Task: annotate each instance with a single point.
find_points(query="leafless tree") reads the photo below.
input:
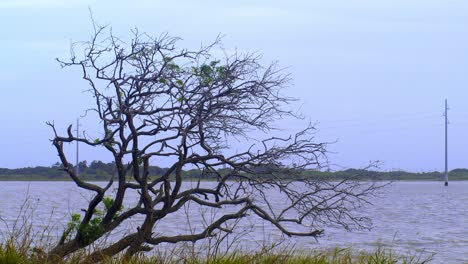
(157, 102)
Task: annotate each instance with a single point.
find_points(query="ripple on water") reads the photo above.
(409, 216)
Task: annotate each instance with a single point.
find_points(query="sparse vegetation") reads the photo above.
(12, 253)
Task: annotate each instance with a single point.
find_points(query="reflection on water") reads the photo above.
(407, 216)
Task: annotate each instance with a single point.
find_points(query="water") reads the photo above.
(407, 217)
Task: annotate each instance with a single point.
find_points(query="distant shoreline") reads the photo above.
(100, 171)
(41, 179)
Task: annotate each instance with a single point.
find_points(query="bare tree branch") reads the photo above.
(156, 102)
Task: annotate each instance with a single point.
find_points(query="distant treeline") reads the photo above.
(101, 171)
(454, 175)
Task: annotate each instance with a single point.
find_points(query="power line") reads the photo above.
(413, 116)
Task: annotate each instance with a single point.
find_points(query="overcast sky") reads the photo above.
(373, 74)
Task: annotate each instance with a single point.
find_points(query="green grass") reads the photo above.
(9, 254)
(12, 252)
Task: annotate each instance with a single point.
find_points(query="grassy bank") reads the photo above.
(12, 252)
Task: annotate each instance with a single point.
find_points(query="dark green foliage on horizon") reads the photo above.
(96, 171)
(359, 174)
(101, 171)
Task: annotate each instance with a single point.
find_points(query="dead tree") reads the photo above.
(157, 102)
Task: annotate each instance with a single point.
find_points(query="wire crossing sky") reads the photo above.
(373, 75)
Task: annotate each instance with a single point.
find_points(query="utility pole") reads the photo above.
(77, 148)
(446, 147)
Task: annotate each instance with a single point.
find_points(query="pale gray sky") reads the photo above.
(374, 74)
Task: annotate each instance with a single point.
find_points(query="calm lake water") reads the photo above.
(407, 217)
